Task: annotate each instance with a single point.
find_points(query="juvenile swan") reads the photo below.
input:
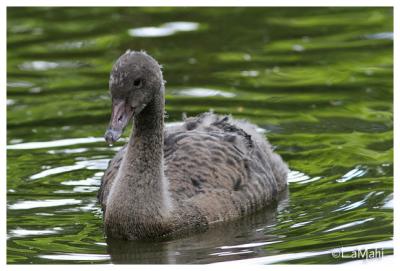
(167, 182)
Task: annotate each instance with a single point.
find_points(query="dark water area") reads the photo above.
(317, 81)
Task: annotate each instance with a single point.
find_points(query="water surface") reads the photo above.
(317, 81)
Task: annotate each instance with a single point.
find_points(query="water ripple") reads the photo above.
(228, 253)
(57, 170)
(19, 232)
(87, 164)
(381, 36)
(76, 257)
(351, 224)
(300, 177)
(388, 202)
(54, 143)
(68, 151)
(249, 245)
(46, 65)
(85, 182)
(356, 172)
(300, 224)
(19, 84)
(163, 30)
(204, 92)
(31, 204)
(354, 205)
(303, 255)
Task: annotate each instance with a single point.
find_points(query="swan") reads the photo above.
(166, 182)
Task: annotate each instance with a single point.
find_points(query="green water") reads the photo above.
(318, 81)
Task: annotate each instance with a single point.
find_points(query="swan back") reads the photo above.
(222, 166)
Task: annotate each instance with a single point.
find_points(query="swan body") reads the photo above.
(170, 181)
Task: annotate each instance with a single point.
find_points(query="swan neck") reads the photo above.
(146, 157)
(149, 124)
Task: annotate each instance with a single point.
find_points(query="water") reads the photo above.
(318, 82)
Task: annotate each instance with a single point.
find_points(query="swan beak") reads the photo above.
(121, 113)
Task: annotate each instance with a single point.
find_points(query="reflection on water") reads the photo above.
(30, 204)
(46, 65)
(356, 172)
(18, 232)
(317, 82)
(300, 177)
(163, 30)
(76, 257)
(352, 224)
(286, 258)
(384, 35)
(204, 92)
(88, 164)
(55, 143)
(353, 205)
(222, 242)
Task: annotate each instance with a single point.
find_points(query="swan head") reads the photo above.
(134, 80)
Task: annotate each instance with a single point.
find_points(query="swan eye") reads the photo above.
(137, 83)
